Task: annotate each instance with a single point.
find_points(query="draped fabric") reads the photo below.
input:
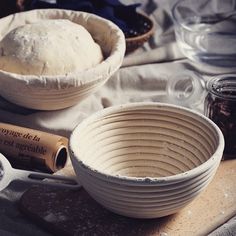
(143, 77)
(123, 15)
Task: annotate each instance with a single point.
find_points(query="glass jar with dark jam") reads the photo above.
(220, 107)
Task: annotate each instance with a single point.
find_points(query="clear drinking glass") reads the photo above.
(186, 88)
(206, 30)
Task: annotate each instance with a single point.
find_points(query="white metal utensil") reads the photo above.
(8, 174)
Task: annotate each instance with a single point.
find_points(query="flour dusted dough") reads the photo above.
(49, 47)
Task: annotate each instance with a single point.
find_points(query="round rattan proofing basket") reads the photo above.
(146, 160)
(57, 92)
(144, 29)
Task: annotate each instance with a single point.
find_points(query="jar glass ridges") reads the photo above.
(220, 106)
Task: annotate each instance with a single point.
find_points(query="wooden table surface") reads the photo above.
(72, 212)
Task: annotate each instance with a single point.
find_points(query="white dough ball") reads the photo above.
(49, 47)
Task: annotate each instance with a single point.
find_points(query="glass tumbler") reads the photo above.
(206, 31)
(220, 106)
(186, 88)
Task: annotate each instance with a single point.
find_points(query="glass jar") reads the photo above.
(220, 107)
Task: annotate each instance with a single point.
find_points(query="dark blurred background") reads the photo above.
(8, 7)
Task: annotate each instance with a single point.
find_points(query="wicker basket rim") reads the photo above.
(148, 33)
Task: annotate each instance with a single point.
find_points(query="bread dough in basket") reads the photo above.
(49, 47)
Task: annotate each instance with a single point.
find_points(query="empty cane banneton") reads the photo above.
(146, 160)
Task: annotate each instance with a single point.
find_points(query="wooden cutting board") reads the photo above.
(73, 212)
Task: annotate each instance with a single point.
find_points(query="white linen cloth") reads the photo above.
(143, 77)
